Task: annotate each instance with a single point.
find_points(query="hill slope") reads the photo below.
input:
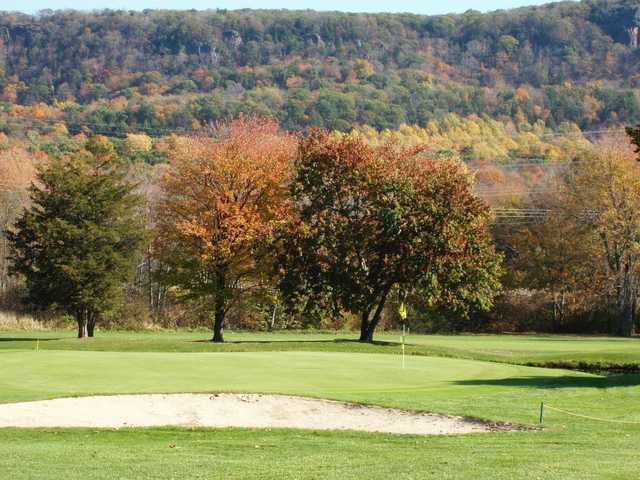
(160, 70)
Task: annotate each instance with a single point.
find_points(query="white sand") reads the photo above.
(227, 410)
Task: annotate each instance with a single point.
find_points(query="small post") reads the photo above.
(541, 413)
(273, 317)
(403, 345)
(37, 344)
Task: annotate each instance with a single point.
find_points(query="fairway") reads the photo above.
(566, 448)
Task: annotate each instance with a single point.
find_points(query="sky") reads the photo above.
(428, 7)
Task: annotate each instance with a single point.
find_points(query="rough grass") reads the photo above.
(14, 321)
(567, 448)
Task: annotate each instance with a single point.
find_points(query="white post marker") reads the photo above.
(403, 345)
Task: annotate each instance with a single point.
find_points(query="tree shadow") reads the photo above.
(566, 381)
(27, 339)
(336, 341)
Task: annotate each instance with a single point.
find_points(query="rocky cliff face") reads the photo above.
(634, 30)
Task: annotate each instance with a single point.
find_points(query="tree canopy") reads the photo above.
(222, 198)
(156, 71)
(370, 219)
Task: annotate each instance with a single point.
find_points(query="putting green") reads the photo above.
(454, 386)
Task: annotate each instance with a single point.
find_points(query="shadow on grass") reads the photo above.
(27, 339)
(337, 341)
(566, 381)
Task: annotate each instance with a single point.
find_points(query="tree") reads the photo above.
(77, 244)
(372, 219)
(17, 171)
(588, 243)
(634, 135)
(557, 254)
(222, 198)
(603, 192)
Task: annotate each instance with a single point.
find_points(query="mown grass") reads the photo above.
(519, 349)
(567, 447)
(427, 383)
(289, 454)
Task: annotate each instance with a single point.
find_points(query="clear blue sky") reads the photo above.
(414, 6)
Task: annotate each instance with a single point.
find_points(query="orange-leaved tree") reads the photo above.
(222, 198)
(17, 170)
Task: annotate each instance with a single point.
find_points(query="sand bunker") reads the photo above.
(228, 410)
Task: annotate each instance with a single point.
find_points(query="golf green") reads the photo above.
(603, 446)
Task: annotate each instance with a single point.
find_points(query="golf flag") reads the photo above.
(402, 311)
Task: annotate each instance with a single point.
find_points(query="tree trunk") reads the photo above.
(272, 322)
(81, 318)
(625, 325)
(218, 322)
(369, 326)
(626, 320)
(91, 325)
(366, 336)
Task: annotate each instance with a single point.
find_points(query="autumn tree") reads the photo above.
(372, 219)
(588, 243)
(78, 242)
(603, 192)
(556, 253)
(222, 199)
(17, 170)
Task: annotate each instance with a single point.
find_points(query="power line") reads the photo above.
(98, 128)
(515, 192)
(516, 164)
(582, 132)
(127, 129)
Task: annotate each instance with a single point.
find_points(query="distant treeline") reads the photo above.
(157, 70)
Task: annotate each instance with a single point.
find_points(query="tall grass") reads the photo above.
(16, 321)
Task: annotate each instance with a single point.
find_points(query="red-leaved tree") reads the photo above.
(370, 219)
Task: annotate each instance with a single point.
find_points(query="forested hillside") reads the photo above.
(155, 71)
(533, 101)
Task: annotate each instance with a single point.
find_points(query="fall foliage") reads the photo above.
(584, 249)
(17, 170)
(370, 220)
(222, 199)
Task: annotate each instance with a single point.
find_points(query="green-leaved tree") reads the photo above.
(77, 244)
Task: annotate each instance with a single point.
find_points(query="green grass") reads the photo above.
(567, 448)
(288, 454)
(428, 383)
(535, 350)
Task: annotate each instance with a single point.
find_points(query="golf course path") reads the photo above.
(227, 410)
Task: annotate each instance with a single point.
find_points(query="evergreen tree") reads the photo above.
(78, 242)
